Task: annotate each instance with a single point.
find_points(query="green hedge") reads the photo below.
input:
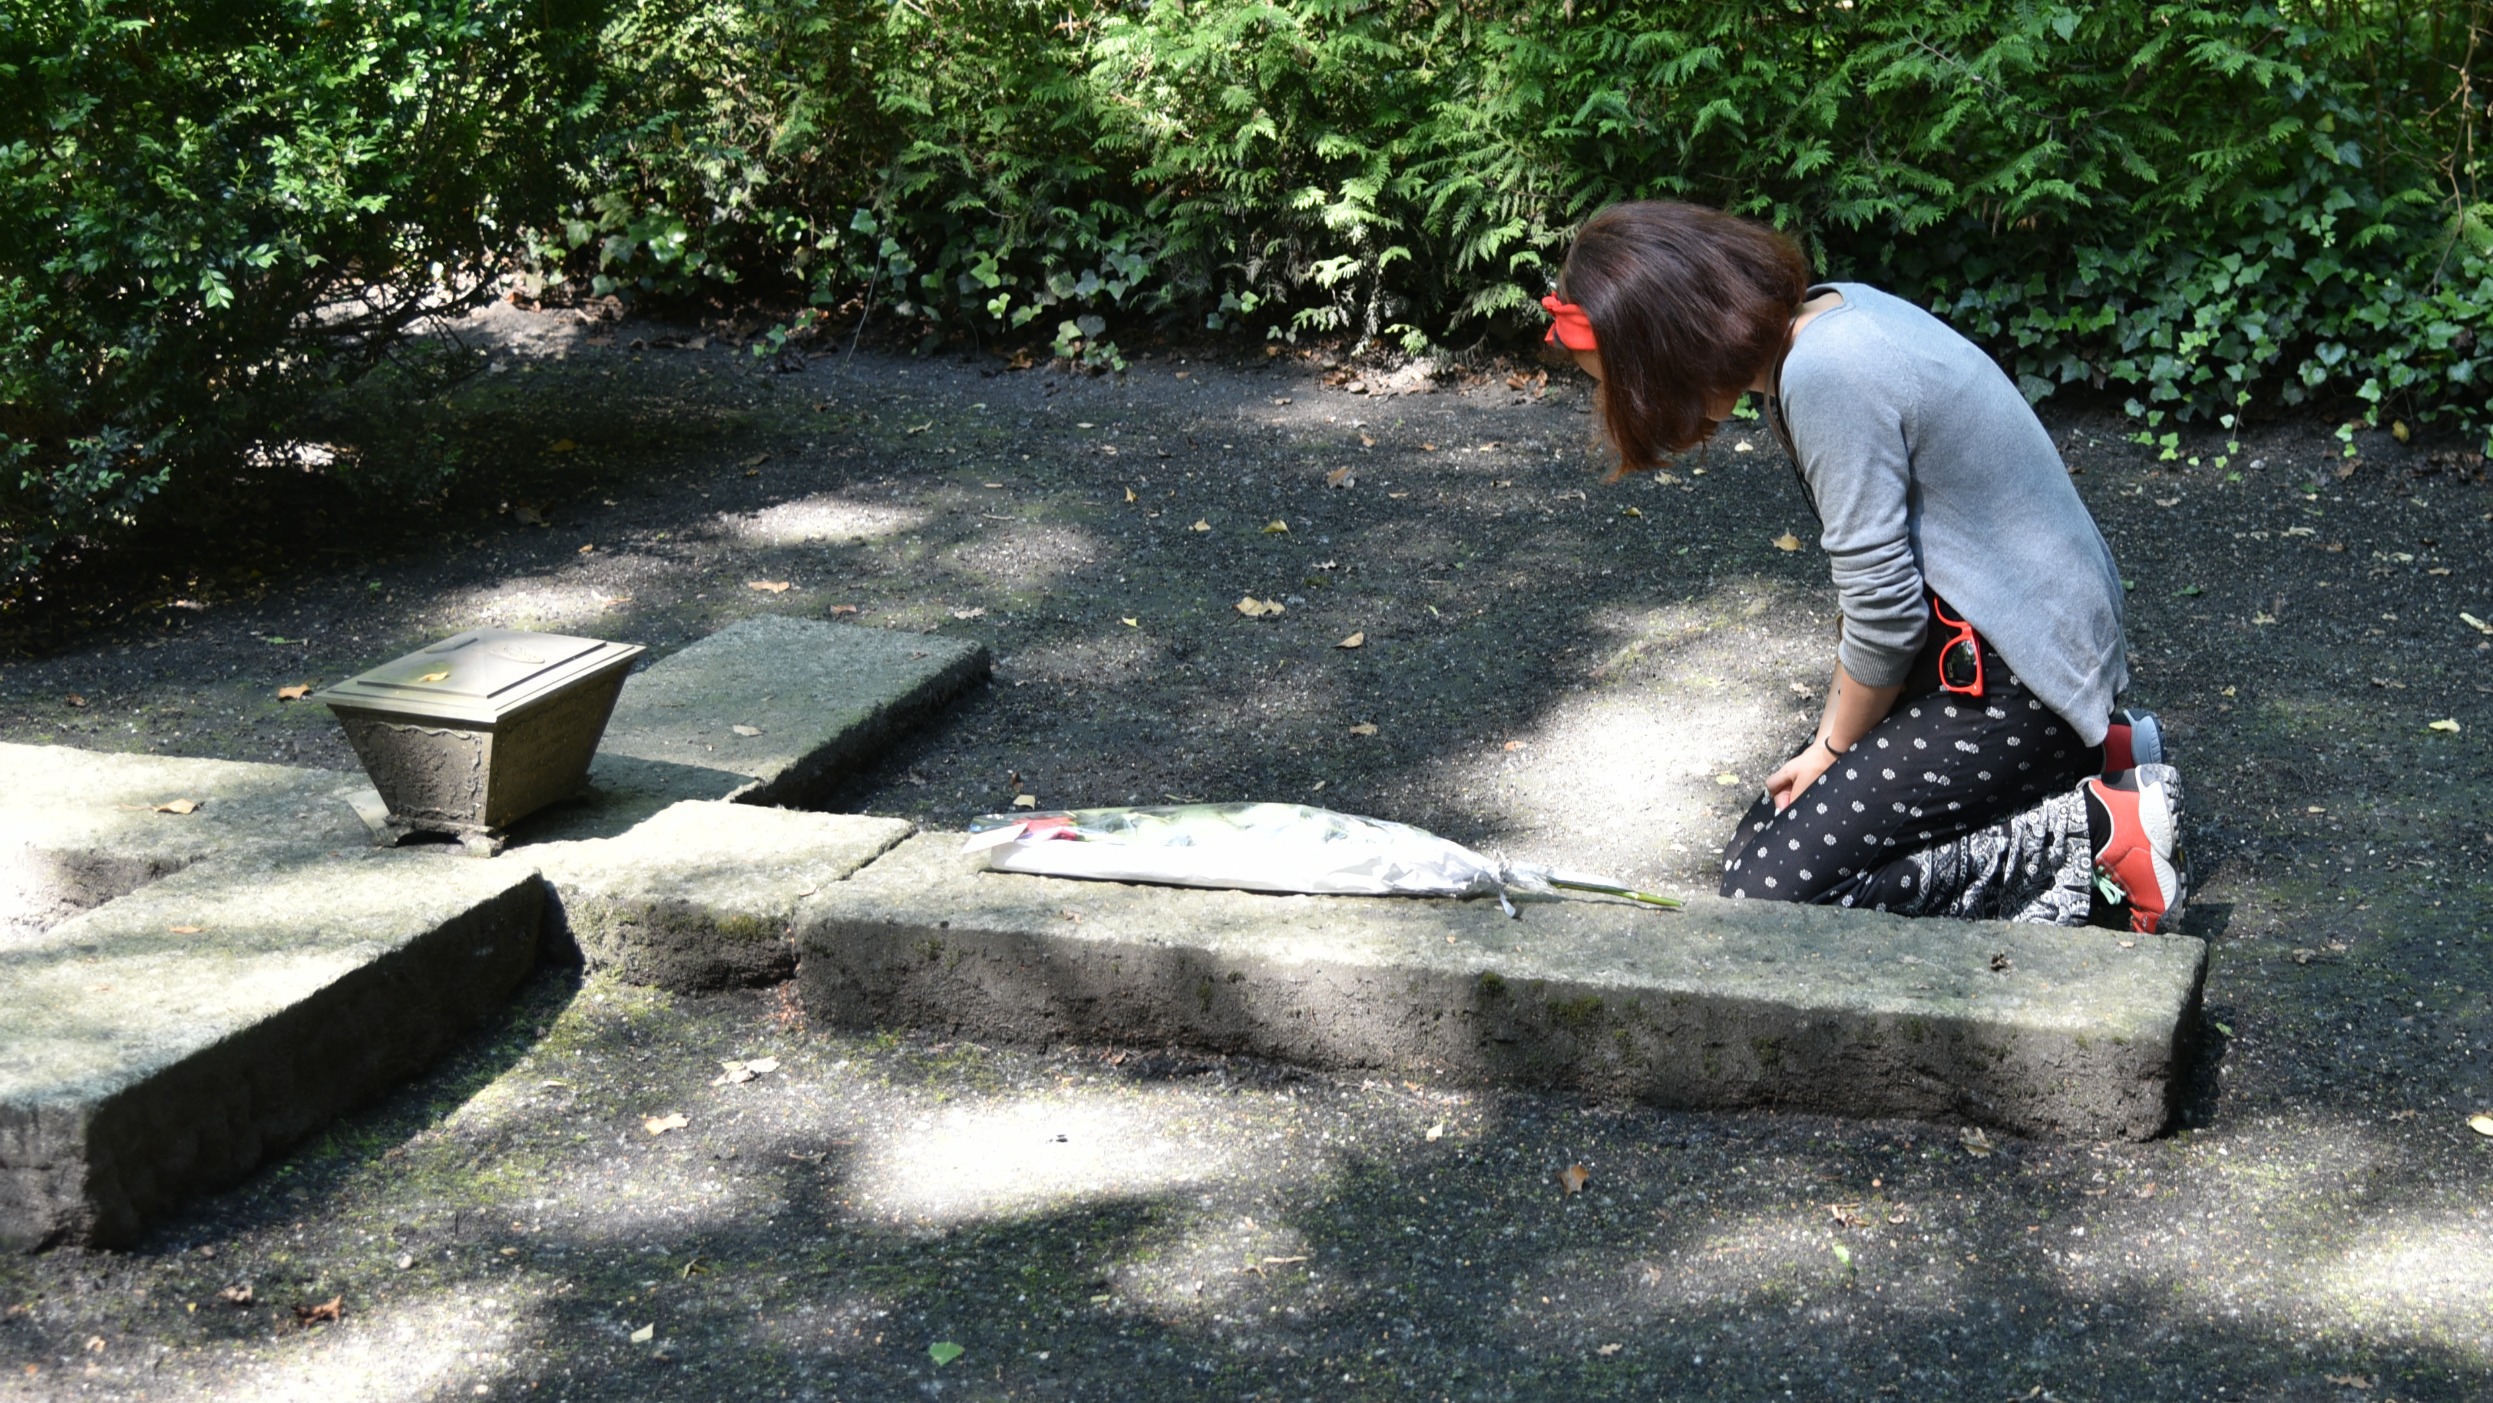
(2187, 204)
(212, 210)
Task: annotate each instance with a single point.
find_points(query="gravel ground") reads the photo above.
(1556, 667)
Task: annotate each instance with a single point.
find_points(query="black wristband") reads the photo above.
(1830, 747)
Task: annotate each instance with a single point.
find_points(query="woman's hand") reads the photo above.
(1851, 711)
(1794, 776)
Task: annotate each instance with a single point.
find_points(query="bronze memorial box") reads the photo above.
(476, 732)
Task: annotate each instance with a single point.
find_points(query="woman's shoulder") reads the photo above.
(1874, 336)
(1844, 343)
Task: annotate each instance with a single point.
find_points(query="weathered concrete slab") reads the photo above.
(166, 1042)
(80, 827)
(816, 697)
(1726, 1004)
(703, 895)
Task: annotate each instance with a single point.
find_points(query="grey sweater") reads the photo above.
(1929, 471)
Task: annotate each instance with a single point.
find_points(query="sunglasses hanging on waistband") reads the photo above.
(1960, 658)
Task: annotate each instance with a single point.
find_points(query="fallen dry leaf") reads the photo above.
(755, 461)
(746, 730)
(975, 612)
(1129, 494)
(2471, 621)
(2482, 1125)
(561, 445)
(75, 700)
(1276, 527)
(1342, 477)
(238, 1294)
(645, 1334)
(441, 674)
(739, 1072)
(1025, 801)
(1200, 525)
(2348, 1380)
(1517, 744)
(178, 806)
(1255, 608)
(1129, 622)
(1573, 1178)
(2446, 723)
(589, 548)
(530, 514)
(1623, 511)
(297, 692)
(1364, 728)
(660, 1125)
(1787, 542)
(328, 1310)
(1609, 1349)
(1976, 1141)
(839, 611)
(768, 586)
(1435, 1132)
(1726, 778)
(185, 930)
(1356, 640)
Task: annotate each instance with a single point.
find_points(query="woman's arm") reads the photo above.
(1852, 709)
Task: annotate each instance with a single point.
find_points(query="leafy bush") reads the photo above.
(212, 210)
(2183, 202)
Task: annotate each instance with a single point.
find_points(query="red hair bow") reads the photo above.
(1570, 327)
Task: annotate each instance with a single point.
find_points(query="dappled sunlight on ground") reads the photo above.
(830, 518)
(994, 1158)
(542, 603)
(1639, 774)
(1034, 557)
(2341, 1238)
(417, 1347)
(2431, 1271)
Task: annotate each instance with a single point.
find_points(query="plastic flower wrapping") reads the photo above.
(1266, 847)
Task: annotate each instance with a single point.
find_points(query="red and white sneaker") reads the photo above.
(2135, 739)
(2139, 868)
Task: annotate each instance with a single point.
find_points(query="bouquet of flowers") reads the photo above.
(1266, 847)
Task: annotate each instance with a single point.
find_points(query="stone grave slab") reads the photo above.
(80, 827)
(704, 894)
(820, 699)
(2035, 1030)
(168, 1041)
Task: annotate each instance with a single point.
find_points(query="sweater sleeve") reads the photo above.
(1847, 420)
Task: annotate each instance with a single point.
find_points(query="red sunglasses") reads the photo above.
(1960, 658)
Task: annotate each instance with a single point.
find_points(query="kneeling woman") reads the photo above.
(1969, 761)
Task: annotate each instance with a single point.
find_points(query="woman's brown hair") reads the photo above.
(1688, 304)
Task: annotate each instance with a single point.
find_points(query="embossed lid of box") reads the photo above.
(479, 677)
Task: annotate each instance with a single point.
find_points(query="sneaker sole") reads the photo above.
(2159, 816)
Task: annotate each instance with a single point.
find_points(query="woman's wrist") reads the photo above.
(1829, 743)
